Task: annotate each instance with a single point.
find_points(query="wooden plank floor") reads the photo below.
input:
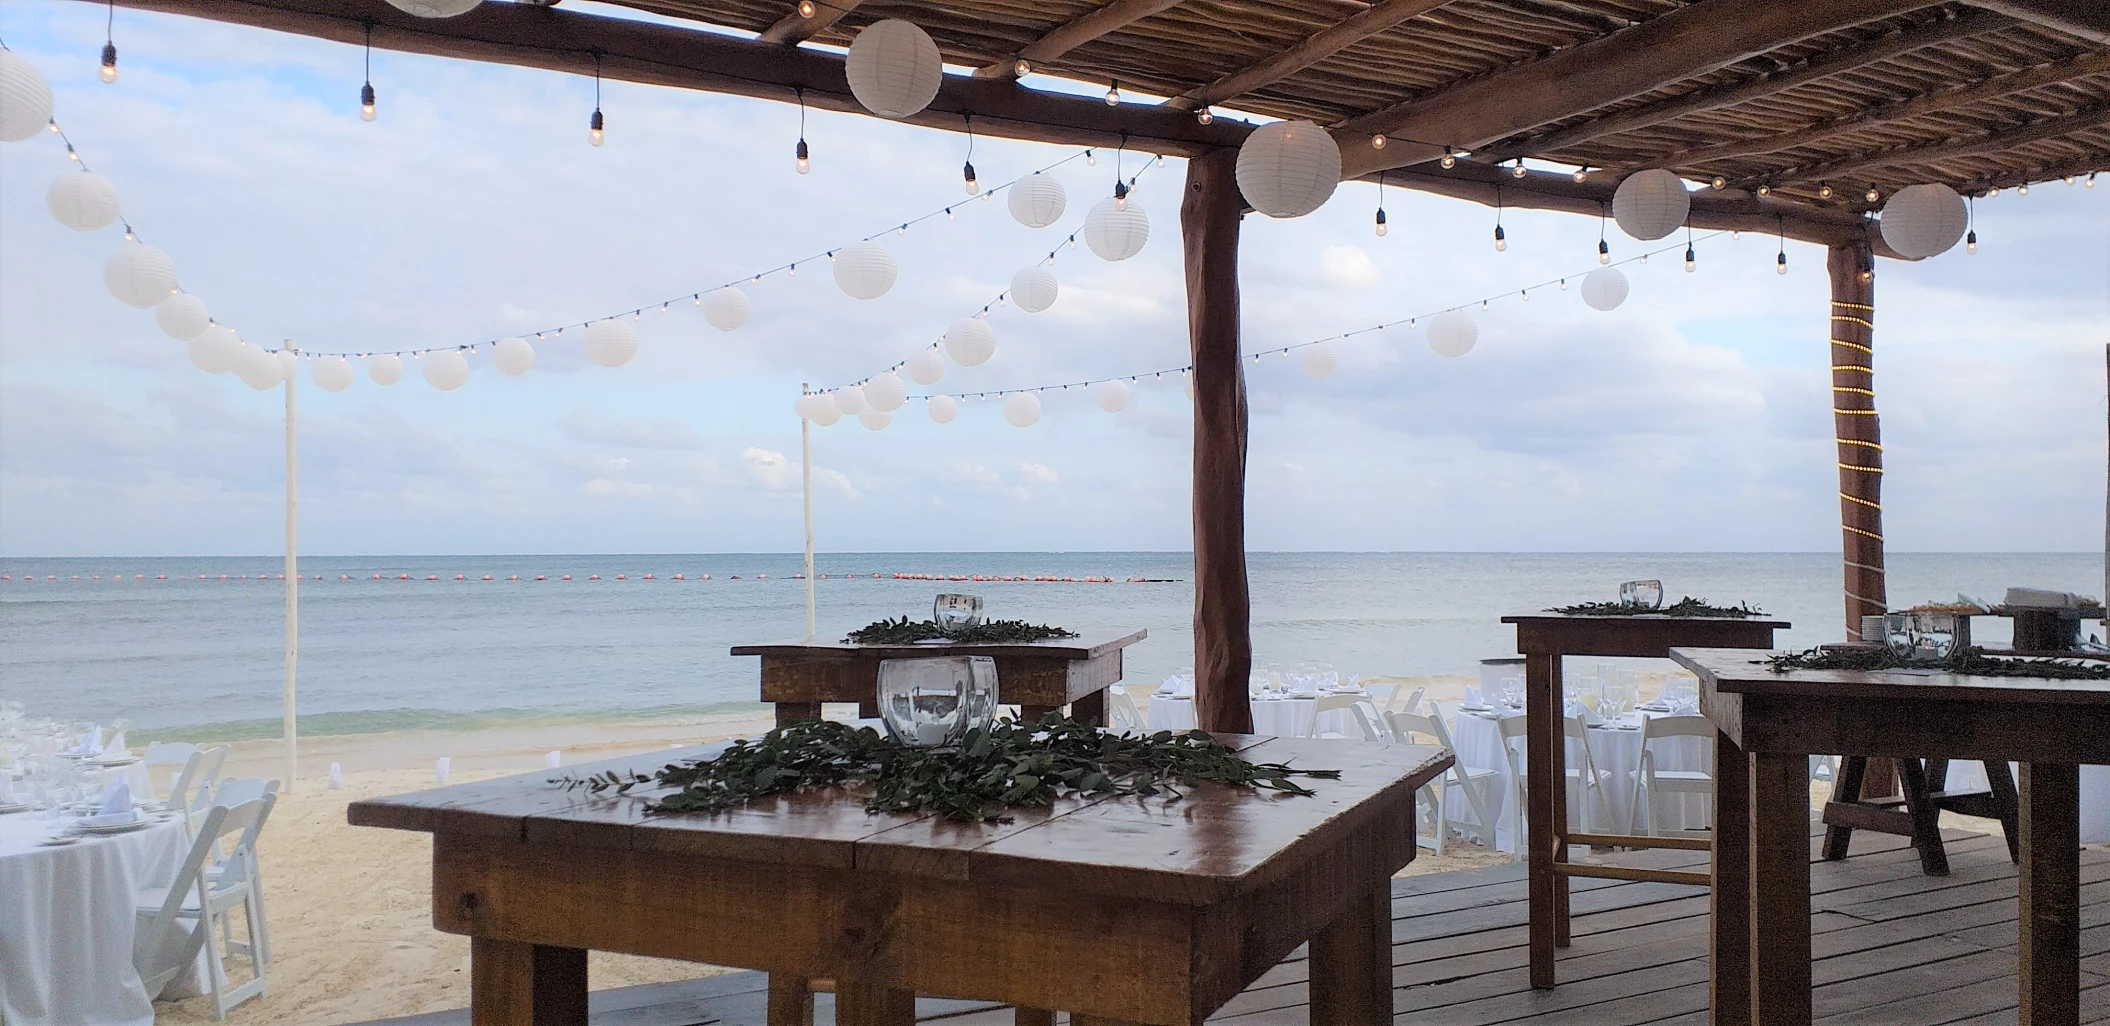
(1894, 948)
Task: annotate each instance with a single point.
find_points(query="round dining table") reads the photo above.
(1275, 713)
(66, 922)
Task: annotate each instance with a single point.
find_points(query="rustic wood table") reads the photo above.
(1543, 638)
(1768, 723)
(1037, 676)
(1048, 911)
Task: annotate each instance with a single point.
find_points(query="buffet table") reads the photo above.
(1037, 676)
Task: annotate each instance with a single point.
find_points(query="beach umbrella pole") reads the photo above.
(806, 472)
(292, 591)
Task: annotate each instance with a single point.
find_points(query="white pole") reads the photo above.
(806, 471)
(292, 593)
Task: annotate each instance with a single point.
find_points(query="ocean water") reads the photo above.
(184, 657)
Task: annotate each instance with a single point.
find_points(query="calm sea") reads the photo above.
(190, 657)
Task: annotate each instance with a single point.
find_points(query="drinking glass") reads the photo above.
(1513, 692)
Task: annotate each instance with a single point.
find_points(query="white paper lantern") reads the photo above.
(1037, 200)
(894, 68)
(139, 275)
(82, 200)
(1034, 289)
(1319, 359)
(865, 270)
(1604, 288)
(446, 369)
(886, 392)
(874, 420)
(943, 408)
(1288, 168)
(1116, 233)
(1187, 386)
(434, 8)
(970, 341)
(332, 374)
(611, 343)
(288, 364)
(849, 400)
(1650, 204)
(182, 316)
(1452, 333)
(25, 98)
(1022, 409)
(215, 350)
(1112, 396)
(259, 368)
(1921, 221)
(726, 308)
(385, 369)
(808, 404)
(513, 357)
(824, 412)
(927, 366)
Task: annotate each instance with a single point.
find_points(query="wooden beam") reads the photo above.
(1223, 612)
(1731, 94)
(1697, 39)
(1919, 106)
(1113, 17)
(1371, 20)
(635, 51)
(1950, 149)
(2088, 19)
(795, 28)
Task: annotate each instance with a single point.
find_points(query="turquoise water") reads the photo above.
(183, 656)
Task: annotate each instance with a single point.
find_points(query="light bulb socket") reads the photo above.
(597, 122)
(366, 95)
(1500, 235)
(801, 151)
(109, 55)
(1380, 217)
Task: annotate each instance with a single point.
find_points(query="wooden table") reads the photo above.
(1037, 676)
(1768, 724)
(1049, 911)
(1543, 638)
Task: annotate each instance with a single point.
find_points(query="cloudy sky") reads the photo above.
(1696, 416)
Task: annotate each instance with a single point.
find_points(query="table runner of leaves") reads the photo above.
(1684, 607)
(1969, 661)
(1010, 765)
(907, 632)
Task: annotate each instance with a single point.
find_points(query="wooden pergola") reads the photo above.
(1791, 110)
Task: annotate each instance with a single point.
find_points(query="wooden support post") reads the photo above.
(1223, 641)
(1545, 775)
(1859, 434)
(1730, 893)
(1351, 962)
(1780, 890)
(516, 984)
(2049, 888)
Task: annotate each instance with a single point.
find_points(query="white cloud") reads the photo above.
(1349, 267)
(1037, 473)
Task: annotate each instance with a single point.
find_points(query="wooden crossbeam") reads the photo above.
(1371, 20)
(635, 51)
(1693, 40)
(1919, 106)
(1060, 40)
(795, 28)
(2089, 19)
(1951, 149)
(1732, 94)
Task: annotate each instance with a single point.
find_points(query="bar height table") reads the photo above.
(1037, 676)
(1544, 638)
(1769, 722)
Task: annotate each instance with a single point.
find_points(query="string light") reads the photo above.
(1021, 68)
(1381, 204)
(1377, 142)
(1113, 94)
(1501, 240)
(1824, 190)
(1501, 237)
(2022, 190)
(802, 156)
(596, 124)
(1449, 160)
(967, 169)
(1205, 115)
(1970, 238)
(1582, 174)
(1873, 194)
(1719, 182)
(366, 92)
(807, 9)
(1518, 171)
(109, 69)
(1765, 190)
(2091, 180)
(1604, 251)
(1091, 159)
(2068, 179)
(1564, 284)
(1780, 263)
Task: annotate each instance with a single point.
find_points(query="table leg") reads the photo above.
(1846, 790)
(1351, 963)
(2000, 783)
(1031, 714)
(1926, 819)
(1034, 1017)
(515, 984)
(1780, 890)
(1090, 709)
(1544, 776)
(790, 1000)
(2049, 888)
(1095, 1020)
(1730, 896)
(865, 1000)
(794, 712)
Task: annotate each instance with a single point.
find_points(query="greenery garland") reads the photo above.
(1007, 766)
(1968, 661)
(907, 632)
(1684, 607)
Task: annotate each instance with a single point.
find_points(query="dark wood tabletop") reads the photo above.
(1744, 672)
(1087, 645)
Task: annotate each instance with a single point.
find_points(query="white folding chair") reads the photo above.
(163, 945)
(1477, 785)
(1323, 705)
(1659, 782)
(1127, 718)
(1373, 725)
(232, 793)
(1393, 694)
(200, 899)
(191, 793)
(166, 753)
(1583, 780)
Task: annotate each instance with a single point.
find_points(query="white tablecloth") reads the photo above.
(1275, 717)
(1617, 754)
(66, 922)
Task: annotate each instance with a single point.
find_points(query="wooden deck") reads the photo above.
(1894, 948)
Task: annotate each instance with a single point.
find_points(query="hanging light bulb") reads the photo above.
(1604, 252)
(805, 157)
(1021, 68)
(1161, 160)
(973, 186)
(1780, 263)
(2068, 179)
(1582, 174)
(1120, 195)
(1970, 241)
(1518, 171)
(1765, 190)
(1873, 194)
(1719, 182)
(1380, 222)
(1564, 284)
(2023, 190)
(1113, 94)
(2091, 180)
(1501, 239)
(1205, 115)
(1868, 276)
(1377, 142)
(109, 68)
(1091, 159)
(366, 102)
(1994, 191)
(595, 126)
(807, 9)
(1824, 190)
(1644, 260)
(1690, 263)
(1449, 160)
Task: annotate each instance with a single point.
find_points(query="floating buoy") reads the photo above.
(435, 577)
(402, 577)
(458, 577)
(513, 577)
(377, 577)
(539, 577)
(703, 577)
(736, 577)
(620, 577)
(161, 577)
(567, 577)
(761, 577)
(677, 577)
(344, 577)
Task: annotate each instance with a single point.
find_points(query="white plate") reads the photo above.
(109, 763)
(53, 842)
(16, 807)
(114, 828)
(1476, 708)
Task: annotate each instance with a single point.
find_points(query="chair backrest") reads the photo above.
(193, 791)
(246, 789)
(236, 867)
(1676, 726)
(161, 950)
(1373, 724)
(168, 753)
(1123, 709)
(1325, 704)
(191, 759)
(1405, 725)
(1512, 726)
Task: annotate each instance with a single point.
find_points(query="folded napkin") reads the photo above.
(1472, 697)
(116, 748)
(118, 799)
(92, 744)
(110, 819)
(1588, 716)
(336, 776)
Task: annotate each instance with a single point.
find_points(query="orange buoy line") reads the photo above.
(898, 576)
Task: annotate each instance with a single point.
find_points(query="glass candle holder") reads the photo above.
(953, 612)
(1641, 594)
(936, 700)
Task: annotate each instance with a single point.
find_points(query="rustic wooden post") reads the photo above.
(1858, 431)
(1223, 643)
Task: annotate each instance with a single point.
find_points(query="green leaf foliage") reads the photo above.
(907, 632)
(1969, 661)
